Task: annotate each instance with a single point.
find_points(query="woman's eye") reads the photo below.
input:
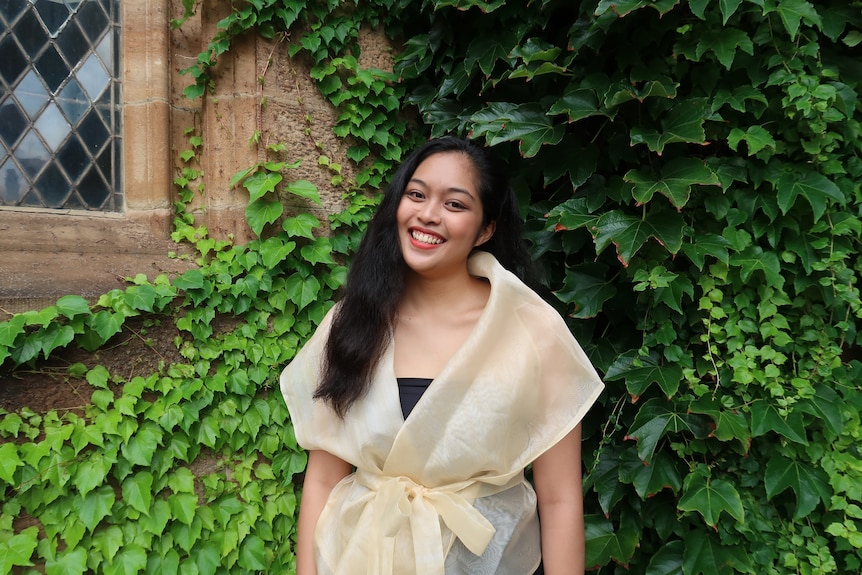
(414, 194)
(457, 205)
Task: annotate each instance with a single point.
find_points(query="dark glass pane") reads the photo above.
(13, 122)
(53, 14)
(73, 101)
(117, 175)
(93, 20)
(10, 9)
(31, 154)
(73, 158)
(13, 184)
(104, 162)
(73, 202)
(30, 33)
(105, 112)
(13, 62)
(52, 186)
(72, 43)
(93, 189)
(31, 200)
(93, 132)
(52, 68)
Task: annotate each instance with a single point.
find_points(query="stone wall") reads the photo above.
(47, 254)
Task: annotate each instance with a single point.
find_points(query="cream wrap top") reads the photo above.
(444, 491)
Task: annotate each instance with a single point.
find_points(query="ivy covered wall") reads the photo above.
(690, 178)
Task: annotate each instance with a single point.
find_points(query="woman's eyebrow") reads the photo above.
(450, 189)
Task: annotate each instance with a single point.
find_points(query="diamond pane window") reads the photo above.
(59, 105)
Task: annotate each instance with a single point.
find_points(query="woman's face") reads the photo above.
(440, 215)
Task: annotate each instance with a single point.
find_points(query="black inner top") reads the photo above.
(410, 389)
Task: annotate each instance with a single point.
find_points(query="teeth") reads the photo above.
(426, 238)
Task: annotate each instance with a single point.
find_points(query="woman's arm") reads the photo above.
(557, 477)
(323, 472)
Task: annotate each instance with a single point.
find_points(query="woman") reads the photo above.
(440, 377)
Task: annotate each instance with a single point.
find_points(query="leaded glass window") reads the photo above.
(59, 107)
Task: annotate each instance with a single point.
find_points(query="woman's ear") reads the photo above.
(486, 233)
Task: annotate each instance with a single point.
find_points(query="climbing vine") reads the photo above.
(690, 175)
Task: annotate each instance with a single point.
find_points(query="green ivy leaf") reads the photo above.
(576, 103)
(98, 377)
(18, 549)
(139, 449)
(648, 480)
(141, 297)
(711, 497)
(207, 558)
(587, 288)
(95, 506)
(131, 559)
(811, 485)
(72, 305)
(56, 335)
(604, 478)
(629, 233)
(704, 556)
(753, 259)
(301, 225)
(167, 564)
(68, 562)
(252, 554)
(815, 188)
(825, 404)
(724, 43)
(704, 245)
(792, 12)
(605, 544)
(302, 291)
(730, 425)
(28, 349)
(304, 189)
(667, 560)
(683, 123)
(9, 462)
(258, 214)
(640, 377)
(656, 419)
(485, 50)
(675, 182)
(528, 124)
(157, 520)
(106, 324)
(183, 506)
(137, 491)
(261, 183)
(572, 214)
(90, 473)
(765, 417)
(190, 280)
(728, 8)
(318, 252)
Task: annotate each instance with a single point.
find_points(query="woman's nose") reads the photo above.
(430, 212)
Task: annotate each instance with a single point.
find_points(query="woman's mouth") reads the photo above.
(425, 238)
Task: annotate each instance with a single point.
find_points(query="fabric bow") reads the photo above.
(400, 500)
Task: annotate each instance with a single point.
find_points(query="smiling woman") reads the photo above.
(439, 377)
(440, 216)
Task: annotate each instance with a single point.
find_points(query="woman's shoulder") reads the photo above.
(511, 296)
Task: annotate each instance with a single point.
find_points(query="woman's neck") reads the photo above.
(449, 292)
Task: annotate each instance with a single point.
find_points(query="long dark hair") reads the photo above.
(362, 324)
